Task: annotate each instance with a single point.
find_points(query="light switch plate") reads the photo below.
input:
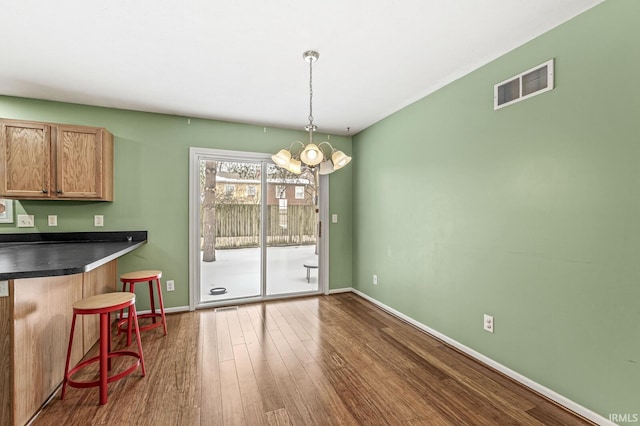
(52, 220)
(25, 221)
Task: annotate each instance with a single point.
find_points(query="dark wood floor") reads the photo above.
(318, 360)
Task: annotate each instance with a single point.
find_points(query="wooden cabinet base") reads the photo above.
(35, 321)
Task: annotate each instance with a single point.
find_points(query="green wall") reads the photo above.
(530, 213)
(151, 184)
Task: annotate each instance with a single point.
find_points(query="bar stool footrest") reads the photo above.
(122, 324)
(110, 379)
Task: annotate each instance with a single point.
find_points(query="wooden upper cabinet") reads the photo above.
(25, 160)
(80, 157)
(52, 161)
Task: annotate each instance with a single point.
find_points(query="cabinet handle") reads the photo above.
(58, 191)
(44, 191)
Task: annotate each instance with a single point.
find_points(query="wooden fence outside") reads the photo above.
(238, 225)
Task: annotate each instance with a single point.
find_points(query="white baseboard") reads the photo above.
(340, 290)
(175, 309)
(537, 387)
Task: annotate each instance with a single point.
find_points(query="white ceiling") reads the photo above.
(242, 60)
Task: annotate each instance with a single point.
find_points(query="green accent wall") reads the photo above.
(152, 190)
(530, 213)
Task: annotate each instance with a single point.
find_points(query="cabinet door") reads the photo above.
(79, 154)
(25, 160)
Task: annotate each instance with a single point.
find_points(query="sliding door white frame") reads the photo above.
(195, 155)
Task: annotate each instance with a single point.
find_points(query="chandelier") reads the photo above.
(300, 156)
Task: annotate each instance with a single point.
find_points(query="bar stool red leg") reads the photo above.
(121, 313)
(137, 328)
(104, 304)
(104, 356)
(164, 322)
(153, 305)
(132, 289)
(128, 284)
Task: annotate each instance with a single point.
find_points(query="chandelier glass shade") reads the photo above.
(299, 156)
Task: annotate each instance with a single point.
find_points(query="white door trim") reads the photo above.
(323, 265)
(194, 223)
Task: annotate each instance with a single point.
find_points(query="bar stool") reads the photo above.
(103, 304)
(129, 280)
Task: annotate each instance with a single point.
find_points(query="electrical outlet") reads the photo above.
(52, 220)
(25, 221)
(334, 218)
(488, 323)
(4, 288)
(375, 279)
(171, 285)
(98, 220)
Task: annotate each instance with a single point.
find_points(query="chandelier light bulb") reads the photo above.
(326, 167)
(311, 155)
(340, 159)
(295, 166)
(282, 158)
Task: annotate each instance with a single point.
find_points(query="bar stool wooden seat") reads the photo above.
(129, 281)
(103, 304)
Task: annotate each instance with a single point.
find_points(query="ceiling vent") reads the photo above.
(524, 85)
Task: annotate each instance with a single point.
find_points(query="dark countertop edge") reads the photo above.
(71, 271)
(111, 257)
(51, 237)
(120, 238)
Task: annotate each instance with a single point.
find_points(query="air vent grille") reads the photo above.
(524, 85)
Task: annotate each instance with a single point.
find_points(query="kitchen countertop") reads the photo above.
(50, 254)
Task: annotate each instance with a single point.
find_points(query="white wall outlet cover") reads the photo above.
(488, 323)
(25, 221)
(98, 220)
(52, 220)
(334, 218)
(4, 288)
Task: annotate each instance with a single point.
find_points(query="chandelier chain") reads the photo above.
(311, 94)
(320, 159)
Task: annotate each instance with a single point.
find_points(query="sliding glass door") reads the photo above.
(231, 206)
(292, 240)
(254, 229)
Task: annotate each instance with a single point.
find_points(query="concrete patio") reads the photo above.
(238, 270)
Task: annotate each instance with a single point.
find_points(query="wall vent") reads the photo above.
(524, 85)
